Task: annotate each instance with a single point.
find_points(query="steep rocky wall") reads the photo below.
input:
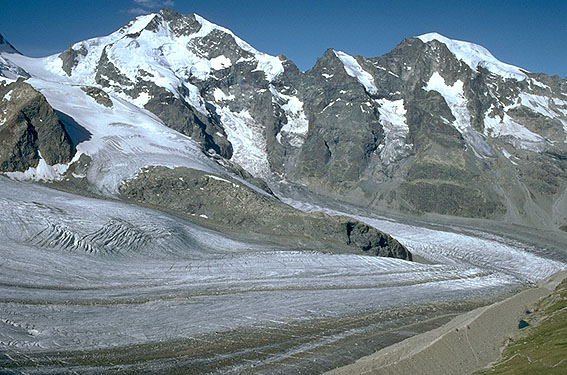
(29, 129)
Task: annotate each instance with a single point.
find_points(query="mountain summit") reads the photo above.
(434, 126)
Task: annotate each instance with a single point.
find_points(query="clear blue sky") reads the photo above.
(529, 34)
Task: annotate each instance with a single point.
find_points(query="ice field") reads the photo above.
(81, 275)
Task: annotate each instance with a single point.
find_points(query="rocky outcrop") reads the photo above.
(99, 96)
(222, 201)
(30, 130)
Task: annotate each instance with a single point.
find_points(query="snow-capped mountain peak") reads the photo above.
(186, 45)
(475, 55)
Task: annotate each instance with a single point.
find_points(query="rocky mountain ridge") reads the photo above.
(434, 126)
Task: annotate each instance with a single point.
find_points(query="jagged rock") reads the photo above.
(70, 58)
(7, 68)
(98, 95)
(30, 127)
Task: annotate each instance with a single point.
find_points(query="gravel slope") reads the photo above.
(465, 344)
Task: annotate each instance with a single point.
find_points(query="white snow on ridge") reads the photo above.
(159, 53)
(353, 69)
(270, 65)
(394, 122)
(474, 56)
(167, 62)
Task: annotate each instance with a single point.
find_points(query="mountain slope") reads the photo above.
(117, 142)
(434, 126)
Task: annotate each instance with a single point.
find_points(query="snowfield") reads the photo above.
(120, 140)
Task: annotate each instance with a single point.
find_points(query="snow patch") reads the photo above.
(43, 172)
(512, 132)
(8, 96)
(270, 65)
(219, 95)
(297, 126)
(539, 84)
(508, 156)
(220, 62)
(455, 98)
(474, 56)
(353, 69)
(560, 102)
(223, 180)
(217, 178)
(142, 99)
(6, 80)
(537, 103)
(394, 122)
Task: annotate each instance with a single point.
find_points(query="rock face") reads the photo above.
(100, 96)
(222, 201)
(434, 126)
(29, 130)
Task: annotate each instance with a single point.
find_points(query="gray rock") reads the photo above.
(98, 95)
(220, 201)
(30, 127)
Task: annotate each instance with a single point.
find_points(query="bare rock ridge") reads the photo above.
(435, 126)
(229, 203)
